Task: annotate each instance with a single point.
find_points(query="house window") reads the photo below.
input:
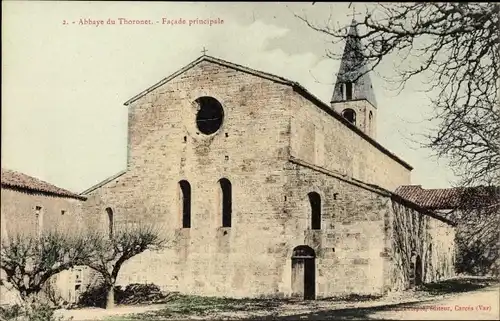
(111, 222)
(226, 201)
(186, 203)
(315, 202)
(39, 219)
(350, 115)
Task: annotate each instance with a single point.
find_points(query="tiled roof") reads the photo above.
(449, 198)
(22, 181)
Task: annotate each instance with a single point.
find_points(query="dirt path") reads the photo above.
(481, 304)
(477, 305)
(88, 314)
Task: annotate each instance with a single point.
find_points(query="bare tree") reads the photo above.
(29, 261)
(114, 250)
(456, 47)
(477, 213)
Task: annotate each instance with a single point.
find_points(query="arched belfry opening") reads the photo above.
(347, 90)
(350, 115)
(304, 272)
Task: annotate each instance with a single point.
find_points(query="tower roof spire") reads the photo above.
(353, 71)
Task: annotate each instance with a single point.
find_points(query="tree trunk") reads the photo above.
(110, 299)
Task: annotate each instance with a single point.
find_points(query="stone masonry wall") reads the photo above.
(165, 147)
(320, 139)
(349, 245)
(270, 208)
(414, 234)
(18, 217)
(18, 212)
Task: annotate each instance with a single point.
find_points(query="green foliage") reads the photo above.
(29, 311)
(457, 285)
(10, 312)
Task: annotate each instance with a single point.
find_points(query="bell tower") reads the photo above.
(353, 96)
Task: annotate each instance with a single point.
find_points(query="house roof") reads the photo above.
(16, 180)
(102, 183)
(450, 198)
(296, 87)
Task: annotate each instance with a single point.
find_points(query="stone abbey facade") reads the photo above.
(264, 190)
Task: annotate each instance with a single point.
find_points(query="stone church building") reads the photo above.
(264, 190)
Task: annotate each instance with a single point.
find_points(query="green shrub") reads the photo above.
(10, 312)
(30, 311)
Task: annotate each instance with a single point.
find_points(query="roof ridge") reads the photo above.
(295, 85)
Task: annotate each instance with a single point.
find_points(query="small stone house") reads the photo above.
(31, 206)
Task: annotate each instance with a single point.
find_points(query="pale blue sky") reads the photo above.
(63, 86)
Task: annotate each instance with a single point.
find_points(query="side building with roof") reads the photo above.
(476, 211)
(30, 206)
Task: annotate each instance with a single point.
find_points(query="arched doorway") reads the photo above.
(304, 272)
(415, 271)
(418, 271)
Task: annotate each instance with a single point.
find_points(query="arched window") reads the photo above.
(315, 201)
(303, 251)
(226, 201)
(186, 203)
(110, 222)
(350, 115)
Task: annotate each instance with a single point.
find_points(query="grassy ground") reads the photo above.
(184, 307)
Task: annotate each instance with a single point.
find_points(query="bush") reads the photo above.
(30, 311)
(134, 293)
(40, 312)
(10, 312)
(94, 296)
